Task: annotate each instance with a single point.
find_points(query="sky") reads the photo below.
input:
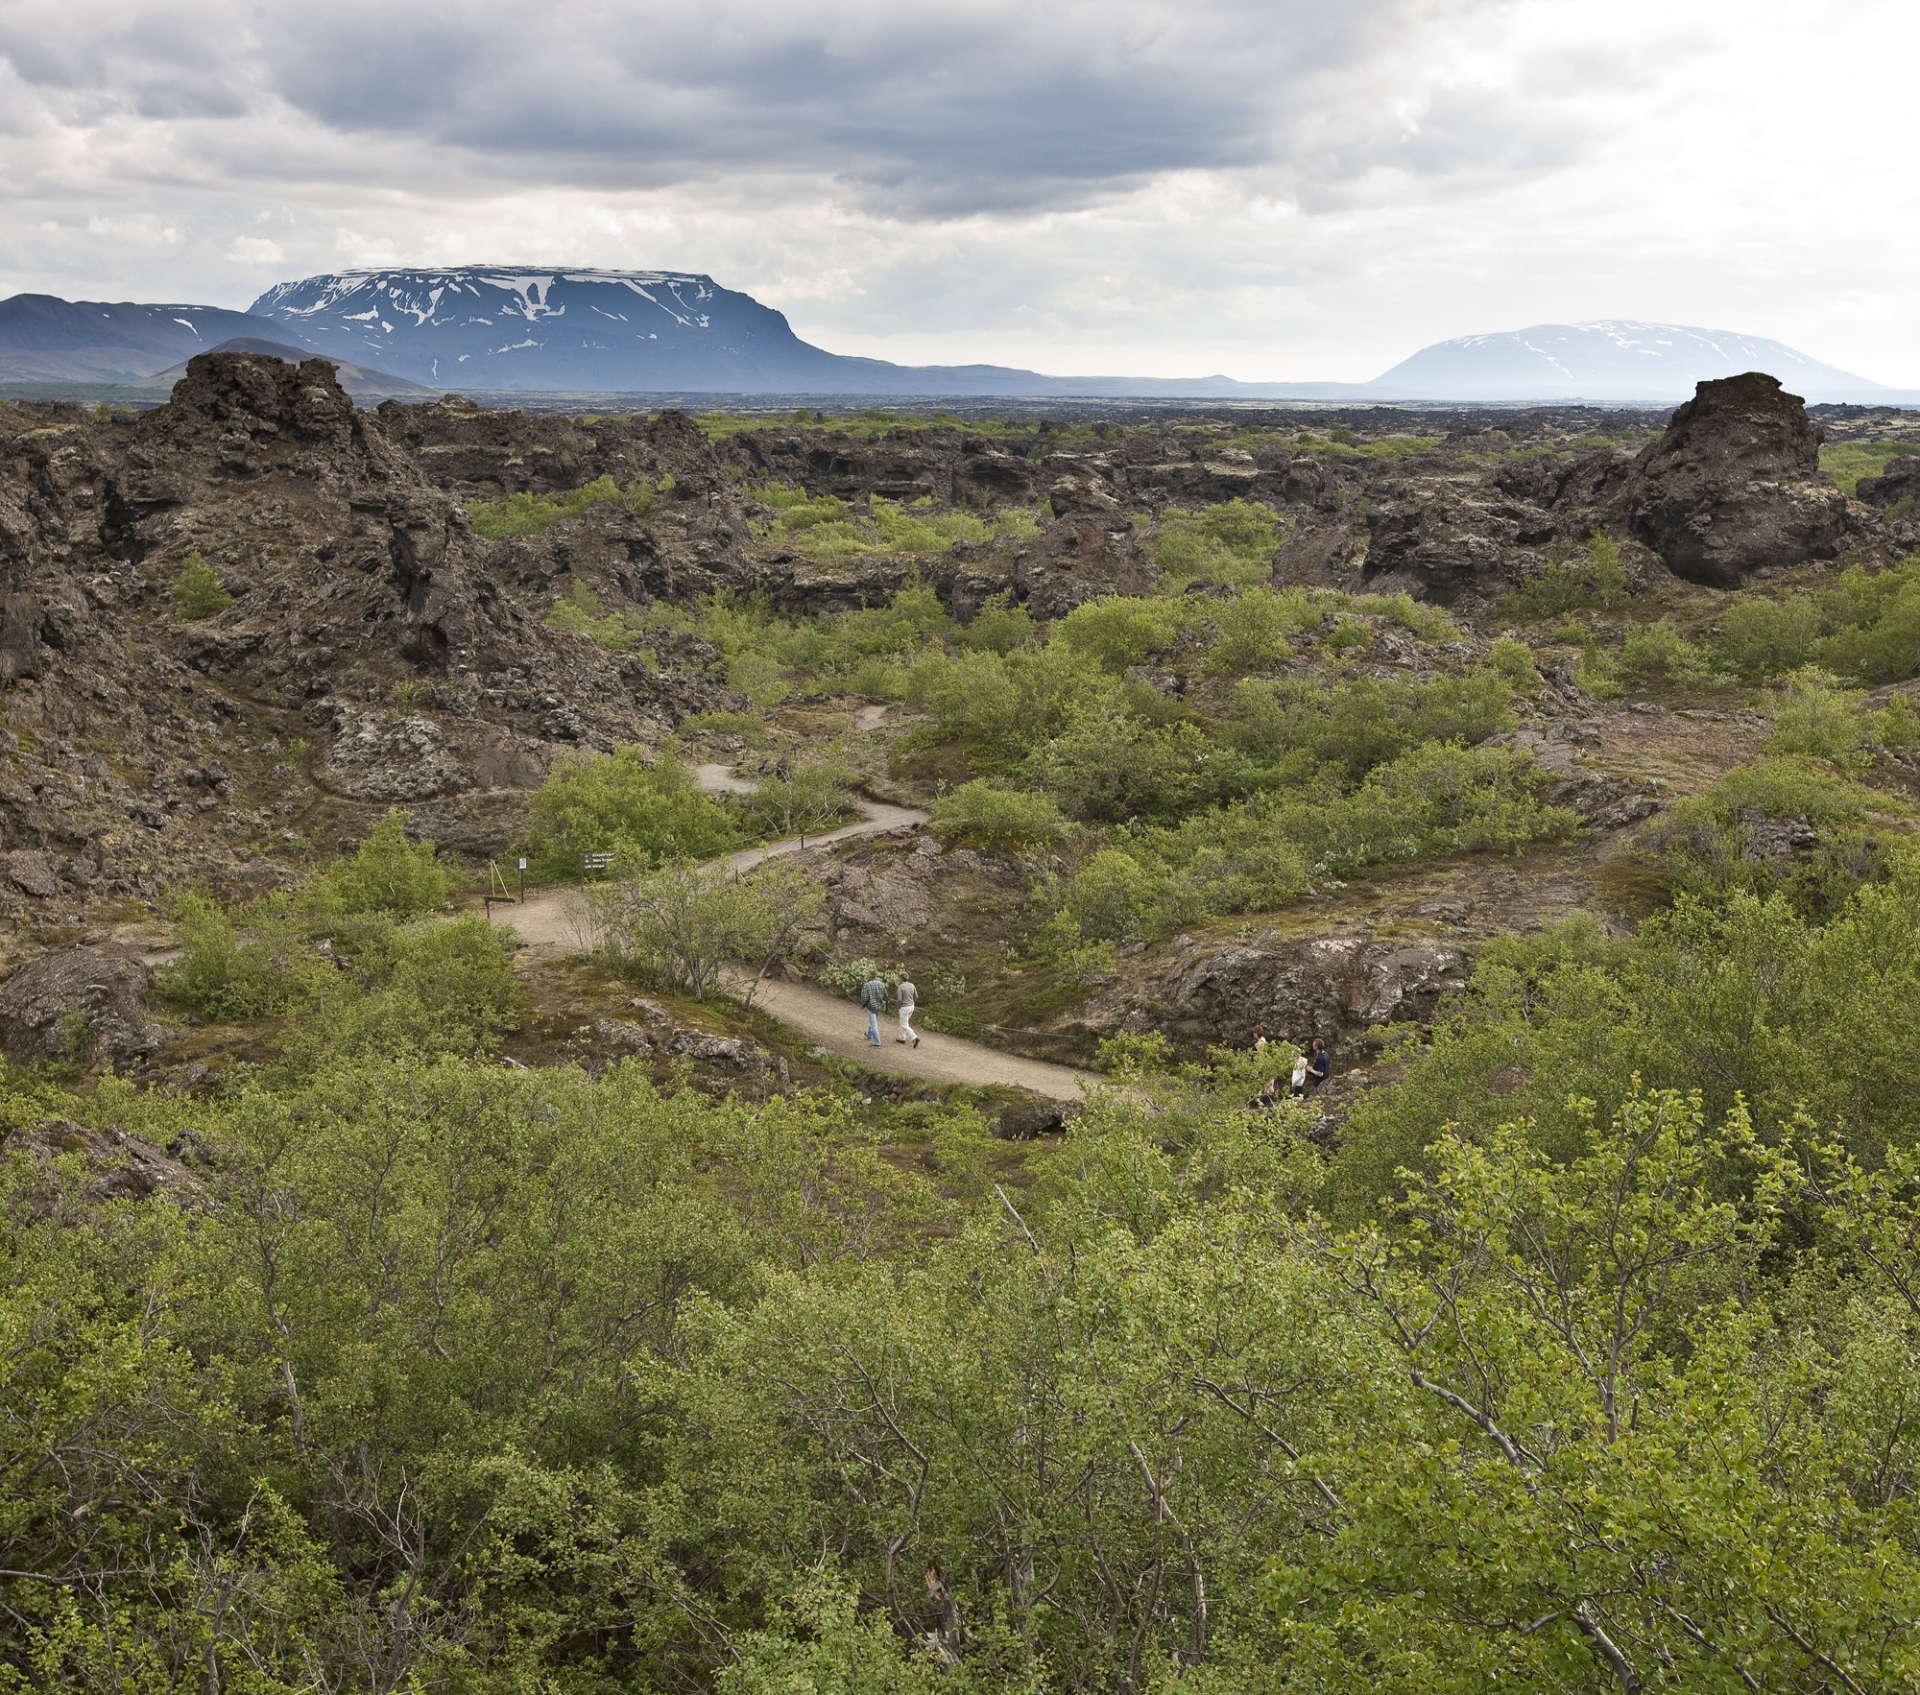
(1274, 190)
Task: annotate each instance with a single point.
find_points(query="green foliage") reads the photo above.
(999, 626)
(1764, 638)
(223, 973)
(1116, 631)
(1812, 715)
(1253, 626)
(827, 526)
(1513, 660)
(805, 793)
(1232, 543)
(532, 514)
(677, 928)
(623, 803)
(198, 592)
(1589, 1348)
(995, 813)
(1597, 580)
(387, 873)
(1867, 627)
(1848, 461)
(1661, 650)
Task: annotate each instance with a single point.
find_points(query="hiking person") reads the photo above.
(1259, 1038)
(1320, 1067)
(906, 997)
(873, 996)
(1300, 1068)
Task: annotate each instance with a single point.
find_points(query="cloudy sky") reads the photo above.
(1274, 189)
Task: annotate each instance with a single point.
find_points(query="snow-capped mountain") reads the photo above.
(505, 327)
(1612, 359)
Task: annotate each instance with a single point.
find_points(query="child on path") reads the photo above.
(906, 997)
(873, 996)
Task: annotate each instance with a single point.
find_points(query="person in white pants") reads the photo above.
(906, 997)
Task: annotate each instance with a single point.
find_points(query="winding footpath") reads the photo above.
(554, 922)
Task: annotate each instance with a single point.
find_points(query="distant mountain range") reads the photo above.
(481, 328)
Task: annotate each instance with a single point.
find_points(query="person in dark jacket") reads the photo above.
(873, 996)
(1320, 1065)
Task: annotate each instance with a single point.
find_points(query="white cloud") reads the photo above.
(255, 250)
(1272, 188)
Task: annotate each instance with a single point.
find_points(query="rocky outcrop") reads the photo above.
(83, 1006)
(1899, 482)
(1734, 486)
(116, 1166)
(1331, 987)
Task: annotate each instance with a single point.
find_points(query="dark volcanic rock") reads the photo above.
(1734, 485)
(1900, 481)
(80, 1003)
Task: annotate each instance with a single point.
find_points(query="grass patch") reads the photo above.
(1848, 461)
(532, 514)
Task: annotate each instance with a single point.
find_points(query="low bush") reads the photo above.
(1231, 543)
(1596, 580)
(532, 514)
(1661, 650)
(225, 973)
(198, 593)
(1252, 627)
(387, 873)
(623, 803)
(1812, 715)
(994, 813)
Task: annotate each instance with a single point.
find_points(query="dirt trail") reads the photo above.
(554, 922)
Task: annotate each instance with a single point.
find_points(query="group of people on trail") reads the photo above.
(1310, 1070)
(873, 996)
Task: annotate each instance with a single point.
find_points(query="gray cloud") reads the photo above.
(935, 111)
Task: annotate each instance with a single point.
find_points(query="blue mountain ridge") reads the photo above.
(526, 329)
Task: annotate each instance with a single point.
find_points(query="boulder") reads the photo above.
(87, 1004)
(1900, 481)
(1734, 485)
(32, 873)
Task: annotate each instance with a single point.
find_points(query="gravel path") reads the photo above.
(554, 921)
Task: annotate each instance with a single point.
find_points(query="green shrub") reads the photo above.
(440, 987)
(999, 626)
(531, 514)
(1232, 543)
(619, 802)
(1513, 660)
(198, 592)
(223, 974)
(1597, 580)
(805, 794)
(1661, 650)
(1796, 787)
(993, 813)
(1252, 628)
(387, 873)
(1117, 631)
(1765, 638)
(1356, 725)
(1813, 715)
